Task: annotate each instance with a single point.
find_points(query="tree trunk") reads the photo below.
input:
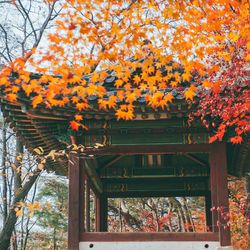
(11, 220)
(178, 206)
(54, 238)
(188, 216)
(4, 153)
(9, 225)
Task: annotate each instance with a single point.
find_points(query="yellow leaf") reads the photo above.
(94, 77)
(119, 83)
(173, 84)
(37, 100)
(233, 36)
(36, 205)
(78, 117)
(248, 45)
(131, 97)
(137, 79)
(186, 77)
(39, 150)
(18, 211)
(206, 84)
(11, 97)
(19, 157)
(189, 94)
(169, 97)
(247, 57)
(81, 106)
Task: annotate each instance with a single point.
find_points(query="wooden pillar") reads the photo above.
(103, 213)
(208, 212)
(74, 182)
(97, 213)
(213, 189)
(82, 207)
(222, 195)
(87, 204)
(219, 171)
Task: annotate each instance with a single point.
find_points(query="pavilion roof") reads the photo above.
(42, 127)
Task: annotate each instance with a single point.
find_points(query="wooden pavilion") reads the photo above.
(156, 154)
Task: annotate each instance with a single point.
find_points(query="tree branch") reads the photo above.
(45, 23)
(28, 17)
(6, 41)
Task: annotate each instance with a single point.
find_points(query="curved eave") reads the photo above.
(38, 127)
(33, 132)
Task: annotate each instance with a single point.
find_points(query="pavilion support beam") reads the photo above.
(222, 195)
(150, 149)
(74, 184)
(213, 188)
(103, 213)
(87, 204)
(160, 193)
(82, 191)
(97, 213)
(208, 212)
(219, 191)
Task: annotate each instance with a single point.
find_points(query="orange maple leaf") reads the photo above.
(74, 125)
(37, 100)
(82, 105)
(78, 117)
(189, 94)
(217, 87)
(236, 139)
(11, 97)
(169, 97)
(119, 83)
(137, 79)
(206, 84)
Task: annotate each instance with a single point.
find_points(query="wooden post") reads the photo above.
(103, 213)
(97, 213)
(219, 170)
(73, 227)
(87, 204)
(82, 207)
(213, 189)
(208, 212)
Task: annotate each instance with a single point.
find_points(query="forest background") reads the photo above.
(46, 33)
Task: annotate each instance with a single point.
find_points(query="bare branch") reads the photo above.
(44, 26)
(28, 17)
(6, 41)
(5, 58)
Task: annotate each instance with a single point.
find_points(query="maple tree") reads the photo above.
(150, 47)
(185, 214)
(22, 26)
(239, 214)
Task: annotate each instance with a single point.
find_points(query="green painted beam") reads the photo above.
(163, 193)
(155, 184)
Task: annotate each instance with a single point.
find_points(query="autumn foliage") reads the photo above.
(239, 214)
(198, 48)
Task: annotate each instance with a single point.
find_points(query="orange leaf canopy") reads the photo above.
(125, 52)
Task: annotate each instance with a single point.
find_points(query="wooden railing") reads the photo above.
(140, 236)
